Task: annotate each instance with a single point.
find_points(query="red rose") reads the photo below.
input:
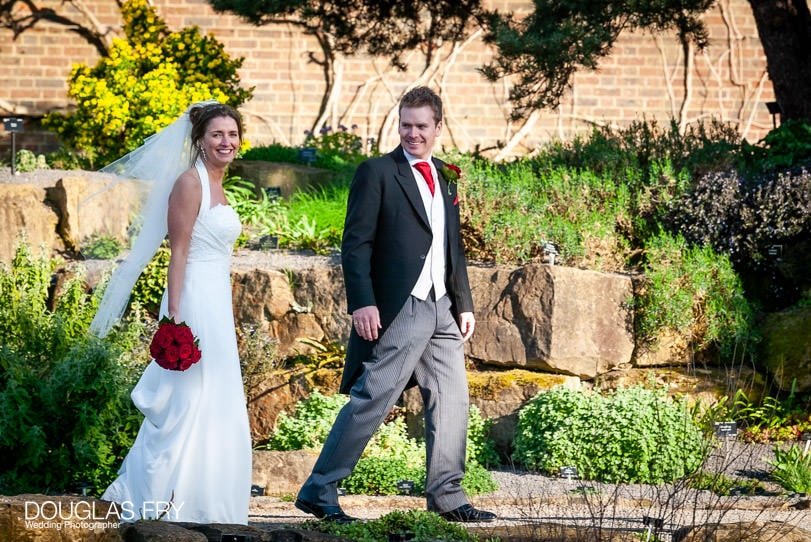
(455, 169)
(164, 336)
(185, 351)
(172, 353)
(184, 334)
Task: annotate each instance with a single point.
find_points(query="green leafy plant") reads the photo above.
(144, 83)
(785, 147)
(274, 152)
(309, 427)
(28, 161)
(792, 468)
(721, 484)
(772, 418)
(149, 288)
(65, 414)
(336, 149)
(692, 291)
(417, 525)
(635, 435)
(390, 456)
(101, 247)
(480, 448)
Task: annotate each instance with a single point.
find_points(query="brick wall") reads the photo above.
(643, 77)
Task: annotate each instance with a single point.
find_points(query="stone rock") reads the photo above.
(23, 211)
(281, 391)
(323, 289)
(282, 473)
(312, 307)
(668, 349)
(95, 206)
(159, 531)
(553, 532)
(220, 532)
(787, 348)
(62, 518)
(287, 177)
(743, 532)
(552, 318)
(54, 212)
(708, 384)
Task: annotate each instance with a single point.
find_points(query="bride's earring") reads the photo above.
(203, 154)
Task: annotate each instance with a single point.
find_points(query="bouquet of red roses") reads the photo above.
(174, 346)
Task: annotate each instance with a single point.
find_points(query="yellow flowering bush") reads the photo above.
(143, 84)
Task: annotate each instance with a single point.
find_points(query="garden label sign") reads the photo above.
(726, 429)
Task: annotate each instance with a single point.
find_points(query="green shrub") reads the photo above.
(374, 475)
(273, 153)
(792, 468)
(101, 247)
(149, 288)
(28, 161)
(64, 158)
(745, 220)
(480, 447)
(785, 147)
(65, 413)
(145, 82)
(772, 419)
(694, 292)
(635, 435)
(336, 150)
(699, 148)
(415, 525)
(510, 211)
(310, 425)
(390, 456)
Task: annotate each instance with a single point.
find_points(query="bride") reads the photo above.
(191, 460)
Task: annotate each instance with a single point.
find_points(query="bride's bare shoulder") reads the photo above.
(187, 186)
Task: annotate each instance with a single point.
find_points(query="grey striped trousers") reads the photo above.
(423, 340)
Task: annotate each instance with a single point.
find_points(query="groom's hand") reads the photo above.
(467, 323)
(367, 322)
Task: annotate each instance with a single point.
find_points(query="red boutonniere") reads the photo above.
(174, 346)
(451, 173)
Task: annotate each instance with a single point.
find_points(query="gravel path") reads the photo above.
(526, 500)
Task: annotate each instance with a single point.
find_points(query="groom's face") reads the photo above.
(418, 130)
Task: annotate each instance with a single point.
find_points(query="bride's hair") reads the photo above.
(201, 115)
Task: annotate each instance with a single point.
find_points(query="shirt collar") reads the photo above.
(413, 159)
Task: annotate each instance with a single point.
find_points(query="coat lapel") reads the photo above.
(405, 177)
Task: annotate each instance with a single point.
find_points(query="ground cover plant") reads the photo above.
(633, 435)
(415, 525)
(390, 457)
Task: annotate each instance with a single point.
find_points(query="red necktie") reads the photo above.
(425, 169)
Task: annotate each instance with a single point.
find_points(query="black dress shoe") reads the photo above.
(467, 514)
(327, 513)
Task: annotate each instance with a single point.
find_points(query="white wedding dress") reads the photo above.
(194, 446)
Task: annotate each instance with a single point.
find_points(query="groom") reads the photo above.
(408, 292)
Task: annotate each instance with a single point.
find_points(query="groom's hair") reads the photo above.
(421, 96)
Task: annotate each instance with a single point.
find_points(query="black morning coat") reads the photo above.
(386, 238)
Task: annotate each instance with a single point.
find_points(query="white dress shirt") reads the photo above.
(433, 270)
